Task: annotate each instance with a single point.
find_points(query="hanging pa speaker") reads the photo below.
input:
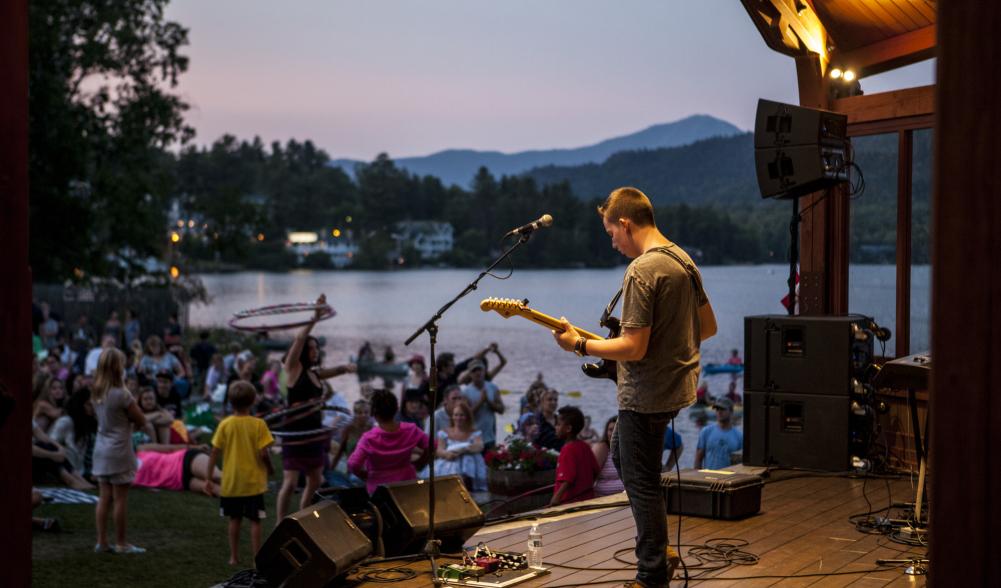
(798, 150)
(404, 509)
(310, 548)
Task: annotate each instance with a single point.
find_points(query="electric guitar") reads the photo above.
(508, 307)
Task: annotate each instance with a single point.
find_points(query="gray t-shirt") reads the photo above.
(113, 452)
(657, 292)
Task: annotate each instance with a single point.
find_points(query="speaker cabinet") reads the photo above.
(806, 354)
(310, 548)
(797, 430)
(404, 509)
(798, 150)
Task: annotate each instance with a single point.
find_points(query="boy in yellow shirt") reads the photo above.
(242, 440)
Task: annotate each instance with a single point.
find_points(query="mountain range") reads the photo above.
(458, 166)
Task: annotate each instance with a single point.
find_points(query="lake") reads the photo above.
(385, 308)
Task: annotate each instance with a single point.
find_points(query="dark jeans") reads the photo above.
(636, 449)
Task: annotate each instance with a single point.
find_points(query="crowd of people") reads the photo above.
(129, 409)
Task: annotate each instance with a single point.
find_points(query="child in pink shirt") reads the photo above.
(383, 453)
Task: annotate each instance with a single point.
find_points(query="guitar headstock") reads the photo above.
(506, 307)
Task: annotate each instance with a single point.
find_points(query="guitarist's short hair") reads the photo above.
(630, 203)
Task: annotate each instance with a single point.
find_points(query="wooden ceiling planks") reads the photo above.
(869, 36)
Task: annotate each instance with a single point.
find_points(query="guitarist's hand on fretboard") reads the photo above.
(567, 337)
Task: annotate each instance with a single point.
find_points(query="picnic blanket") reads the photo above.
(66, 496)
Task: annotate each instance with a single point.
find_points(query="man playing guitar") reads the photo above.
(665, 316)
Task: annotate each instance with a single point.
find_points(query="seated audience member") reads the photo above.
(337, 475)
(533, 396)
(48, 460)
(608, 478)
(51, 402)
(156, 359)
(718, 440)
(215, 380)
(182, 380)
(90, 363)
(576, 468)
(75, 432)
(159, 421)
(673, 444)
(460, 449)
(415, 409)
(443, 416)
(167, 396)
(132, 385)
(528, 429)
(547, 436)
(383, 453)
(270, 384)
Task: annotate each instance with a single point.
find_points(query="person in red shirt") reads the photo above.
(577, 468)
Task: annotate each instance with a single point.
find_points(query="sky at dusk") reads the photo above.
(414, 77)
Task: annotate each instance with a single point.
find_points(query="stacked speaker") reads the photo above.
(312, 547)
(803, 389)
(798, 150)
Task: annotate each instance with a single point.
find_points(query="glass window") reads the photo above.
(921, 241)
(872, 278)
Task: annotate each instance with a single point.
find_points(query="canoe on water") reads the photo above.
(722, 368)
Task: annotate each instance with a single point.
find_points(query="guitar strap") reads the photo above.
(693, 275)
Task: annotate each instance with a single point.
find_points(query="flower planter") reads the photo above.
(515, 482)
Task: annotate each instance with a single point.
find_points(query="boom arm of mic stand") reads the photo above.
(431, 548)
(469, 288)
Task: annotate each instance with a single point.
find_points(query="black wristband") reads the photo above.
(583, 346)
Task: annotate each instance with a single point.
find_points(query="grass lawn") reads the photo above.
(183, 533)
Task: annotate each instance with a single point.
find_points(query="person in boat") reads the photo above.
(665, 316)
(734, 358)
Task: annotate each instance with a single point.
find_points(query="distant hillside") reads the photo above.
(458, 166)
(713, 171)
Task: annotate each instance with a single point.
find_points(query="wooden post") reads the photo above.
(15, 299)
(823, 287)
(966, 299)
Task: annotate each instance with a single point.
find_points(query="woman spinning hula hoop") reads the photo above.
(305, 376)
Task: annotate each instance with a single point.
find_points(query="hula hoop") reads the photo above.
(325, 310)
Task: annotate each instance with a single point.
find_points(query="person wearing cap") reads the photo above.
(718, 440)
(485, 399)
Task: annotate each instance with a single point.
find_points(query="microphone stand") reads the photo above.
(432, 548)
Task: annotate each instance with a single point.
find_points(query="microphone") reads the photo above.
(543, 221)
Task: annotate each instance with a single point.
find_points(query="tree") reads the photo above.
(101, 116)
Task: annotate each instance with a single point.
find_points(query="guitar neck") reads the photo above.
(545, 320)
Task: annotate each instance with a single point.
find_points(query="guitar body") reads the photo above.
(507, 307)
(605, 368)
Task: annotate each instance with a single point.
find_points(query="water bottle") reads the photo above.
(535, 547)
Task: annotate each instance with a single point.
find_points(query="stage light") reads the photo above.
(174, 272)
(849, 75)
(836, 73)
(174, 237)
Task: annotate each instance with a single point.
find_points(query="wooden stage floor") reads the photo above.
(802, 529)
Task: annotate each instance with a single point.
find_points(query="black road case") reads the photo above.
(716, 494)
